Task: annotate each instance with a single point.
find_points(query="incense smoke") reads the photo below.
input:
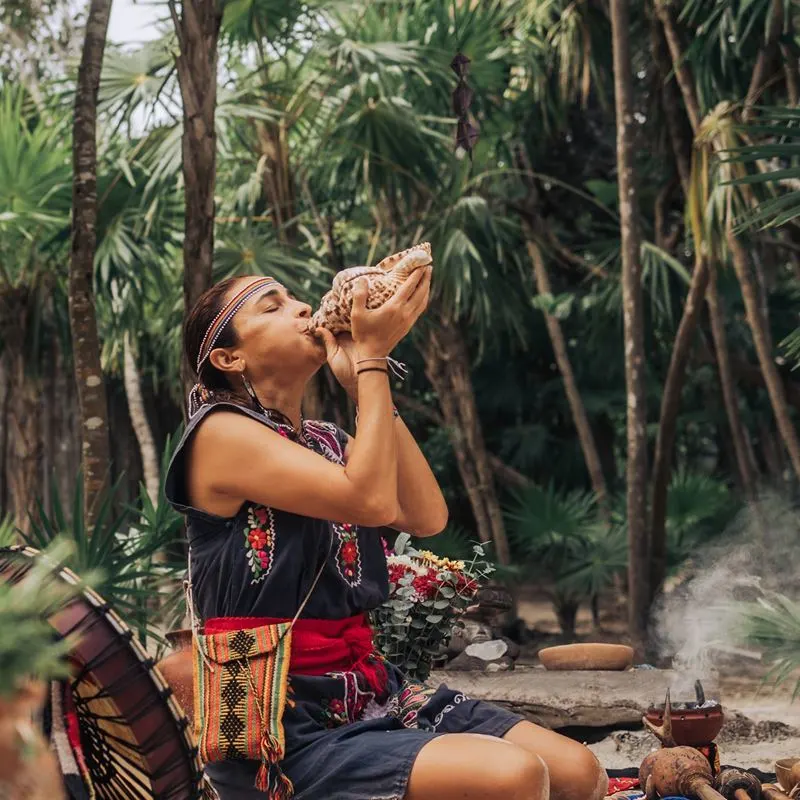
(700, 620)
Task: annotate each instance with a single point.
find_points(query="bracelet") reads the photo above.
(372, 369)
(395, 413)
(397, 368)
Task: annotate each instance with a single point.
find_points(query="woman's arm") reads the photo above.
(422, 510)
(233, 458)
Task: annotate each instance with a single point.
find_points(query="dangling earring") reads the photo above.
(248, 387)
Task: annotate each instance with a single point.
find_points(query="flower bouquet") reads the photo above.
(427, 595)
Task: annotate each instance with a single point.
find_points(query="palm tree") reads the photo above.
(197, 29)
(638, 559)
(96, 453)
(720, 204)
(370, 108)
(561, 354)
(34, 180)
(709, 49)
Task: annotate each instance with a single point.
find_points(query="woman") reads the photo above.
(282, 510)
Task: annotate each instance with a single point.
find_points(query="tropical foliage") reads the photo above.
(27, 644)
(335, 145)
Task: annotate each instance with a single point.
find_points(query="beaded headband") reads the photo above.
(226, 314)
(199, 394)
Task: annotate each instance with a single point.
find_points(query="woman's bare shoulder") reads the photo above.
(227, 427)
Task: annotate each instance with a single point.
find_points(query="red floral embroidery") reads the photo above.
(349, 552)
(259, 534)
(334, 713)
(407, 703)
(348, 556)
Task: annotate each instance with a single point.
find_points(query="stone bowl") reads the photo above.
(593, 656)
(783, 772)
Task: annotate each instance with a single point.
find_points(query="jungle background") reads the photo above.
(602, 386)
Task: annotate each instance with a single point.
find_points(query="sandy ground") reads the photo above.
(762, 721)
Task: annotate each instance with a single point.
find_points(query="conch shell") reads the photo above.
(384, 280)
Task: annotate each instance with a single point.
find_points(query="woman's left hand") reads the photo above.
(341, 360)
(342, 352)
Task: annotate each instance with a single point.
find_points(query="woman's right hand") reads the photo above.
(376, 332)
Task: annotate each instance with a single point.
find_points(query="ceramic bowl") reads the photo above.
(693, 727)
(587, 656)
(783, 769)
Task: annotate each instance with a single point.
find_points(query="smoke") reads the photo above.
(700, 620)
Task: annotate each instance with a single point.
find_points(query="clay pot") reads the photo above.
(587, 656)
(692, 727)
(177, 670)
(28, 768)
(784, 773)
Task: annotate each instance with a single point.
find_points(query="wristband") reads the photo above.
(395, 413)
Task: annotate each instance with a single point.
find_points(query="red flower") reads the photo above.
(261, 515)
(257, 539)
(465, 584)
(396, 571)
(425, 586)
(336, 706)
(349, 552)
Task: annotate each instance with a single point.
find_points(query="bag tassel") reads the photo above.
(270, 778)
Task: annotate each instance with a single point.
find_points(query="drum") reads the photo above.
(134, 736)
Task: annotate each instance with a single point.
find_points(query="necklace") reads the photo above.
(285, 424)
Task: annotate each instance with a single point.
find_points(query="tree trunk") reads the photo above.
(5, 421)
(633, 318)
(728, 385)
(682, 72)
(502, 471)
(579, 416)
(197, 30)
(791, 74)
(772, 378)
(679, 134)
(693, 306)
(566, 609)
(447, 368)
(766, 58)
(279, 186)
(139, 422)
(96, 454)
(668, 418)
(24, 451)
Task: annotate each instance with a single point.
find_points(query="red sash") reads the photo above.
(320, 646)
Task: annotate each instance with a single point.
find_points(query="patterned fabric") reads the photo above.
(322, 437)
(406, 704)
(240, 696)
(259, 535)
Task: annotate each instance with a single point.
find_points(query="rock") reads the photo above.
(496, 598)
(561, 699)
(513, 648)
(465, 633)
(467, 663)
(488, 651)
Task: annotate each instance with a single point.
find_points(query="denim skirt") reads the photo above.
(367, 759)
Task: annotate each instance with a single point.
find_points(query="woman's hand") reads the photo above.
(341, 351)
(376, 332)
